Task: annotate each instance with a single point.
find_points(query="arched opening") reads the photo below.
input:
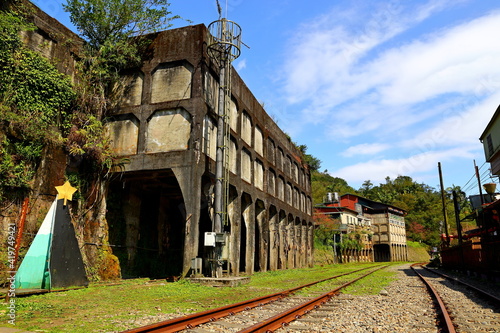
(382, 252)
(146, 218)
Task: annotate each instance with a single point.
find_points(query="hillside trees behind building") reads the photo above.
(424, 220)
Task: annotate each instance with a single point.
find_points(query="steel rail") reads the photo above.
(282, 319)
(481, 292)
(443, 312)
(195, 319)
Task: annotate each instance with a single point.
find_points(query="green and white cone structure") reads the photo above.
(53, 259)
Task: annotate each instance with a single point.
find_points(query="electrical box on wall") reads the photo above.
(212, 238)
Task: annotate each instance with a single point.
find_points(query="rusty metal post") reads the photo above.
(459, 228)
(17, 245)
(479, 183)
(457, 217)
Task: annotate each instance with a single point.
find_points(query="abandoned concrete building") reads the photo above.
(381, 227)
(160, 202)
(166, 126)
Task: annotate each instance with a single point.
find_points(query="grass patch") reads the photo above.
(101, 308)
(417, 251)
(372, 284)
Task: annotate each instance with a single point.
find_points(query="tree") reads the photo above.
(313, 162)
(104, 22)
(115, 31)
(340, 186)
(366, 188)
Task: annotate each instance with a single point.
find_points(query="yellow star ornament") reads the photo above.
(65, 192)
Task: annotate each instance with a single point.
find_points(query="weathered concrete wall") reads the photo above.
(123, 135)
(171, 81)
(168, 130)
(266, 172)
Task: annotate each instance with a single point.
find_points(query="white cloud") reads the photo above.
(455, 60)
(365, 149)
(325, 56)
(241, 64)
(456, 126)
(367, 91)
(401, 92)
(420, 163)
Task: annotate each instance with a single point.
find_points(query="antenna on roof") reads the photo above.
(219, 9)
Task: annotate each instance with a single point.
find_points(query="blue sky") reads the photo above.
(373, 88)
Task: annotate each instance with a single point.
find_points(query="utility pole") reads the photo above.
(224, 47)
(443, 199)
(479, 183)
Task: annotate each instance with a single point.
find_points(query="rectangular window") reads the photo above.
(490, 145)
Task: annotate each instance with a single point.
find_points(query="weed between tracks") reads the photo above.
(138, 302)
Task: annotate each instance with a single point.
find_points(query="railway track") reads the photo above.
(463, 307)
(405, 307)
(285, 306)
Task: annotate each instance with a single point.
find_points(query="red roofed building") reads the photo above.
(386, 224)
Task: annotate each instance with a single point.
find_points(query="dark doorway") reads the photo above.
(146, 218)
(381, 252)
(246, 203)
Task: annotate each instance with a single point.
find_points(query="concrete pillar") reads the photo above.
(303, 245)
(233, 211)
(283, 240)
(274, 239)
(263, 235)
(297, 243)
(249, 220)
(190, 184)
(310, 243)
(290, 242)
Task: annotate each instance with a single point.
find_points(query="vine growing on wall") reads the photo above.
(35, 104)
